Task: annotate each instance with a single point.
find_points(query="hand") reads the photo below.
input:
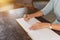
(27, 17)
(39, 25)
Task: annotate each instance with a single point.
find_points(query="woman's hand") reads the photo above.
(39, 25)
(27, 17)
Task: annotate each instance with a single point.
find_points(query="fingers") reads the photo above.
(35, 26)
(32, 28)
(26, 17)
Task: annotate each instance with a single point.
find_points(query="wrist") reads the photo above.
(50, 27)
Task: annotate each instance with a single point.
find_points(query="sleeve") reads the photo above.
(48, 7)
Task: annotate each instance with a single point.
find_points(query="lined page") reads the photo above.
(41, 34)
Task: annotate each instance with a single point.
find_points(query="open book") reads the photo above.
(41, 34)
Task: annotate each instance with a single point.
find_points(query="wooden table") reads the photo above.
(9, 28)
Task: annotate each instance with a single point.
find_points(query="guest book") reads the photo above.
(40, 34)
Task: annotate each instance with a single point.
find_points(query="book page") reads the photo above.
(41, 34)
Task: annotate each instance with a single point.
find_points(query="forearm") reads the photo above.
(37, 14)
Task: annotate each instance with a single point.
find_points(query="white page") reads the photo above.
(41, 34)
